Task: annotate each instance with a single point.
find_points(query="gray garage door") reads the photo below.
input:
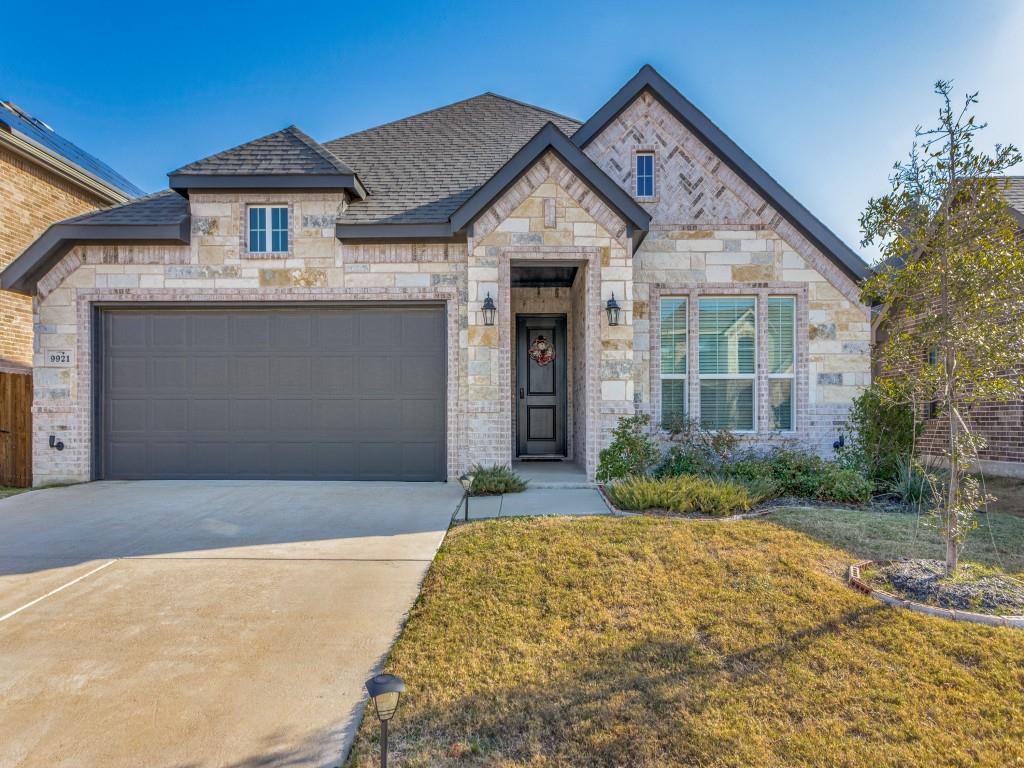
(339, 393)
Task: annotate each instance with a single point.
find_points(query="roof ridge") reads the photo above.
(425, 112)
(545, 110)
(336, 162)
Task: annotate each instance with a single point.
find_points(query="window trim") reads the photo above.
(791, 376)
(755, 391)
(684, 377)
(802, 390)
(637, 154)
(269, 229)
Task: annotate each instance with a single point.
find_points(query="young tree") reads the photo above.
(952, 281)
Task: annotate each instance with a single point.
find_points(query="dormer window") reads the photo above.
(645, 174)
(268, 229)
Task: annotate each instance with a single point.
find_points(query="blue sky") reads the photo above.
(824, 95)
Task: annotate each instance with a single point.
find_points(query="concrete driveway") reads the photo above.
(202, 623)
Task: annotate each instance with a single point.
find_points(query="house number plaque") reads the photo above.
(60, 357)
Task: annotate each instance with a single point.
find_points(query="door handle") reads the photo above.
(520, 393)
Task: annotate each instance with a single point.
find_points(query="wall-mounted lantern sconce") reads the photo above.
(612, 308)
(489, 310)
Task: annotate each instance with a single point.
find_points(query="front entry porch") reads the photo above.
(547, 346)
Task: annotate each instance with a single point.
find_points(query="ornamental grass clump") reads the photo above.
(685, 494)
(495, 480)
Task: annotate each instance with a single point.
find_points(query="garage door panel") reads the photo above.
(249, 331)
(249, 374)
(377, 376)
(249, 415)
(322, 393)
(168, 329)
(333, 375)
(379, 329)
(210, 373)
(169, 374)
(337, 416)
(166, 414)
(291, 373)
(210, 332)
(208, 415)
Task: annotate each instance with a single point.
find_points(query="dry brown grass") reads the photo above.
(656, 642)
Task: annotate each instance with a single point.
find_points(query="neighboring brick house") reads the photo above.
(293, 309)
(1000, 424)
(43, 179)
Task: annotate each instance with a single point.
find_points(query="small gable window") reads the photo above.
(268, 229)
(645, 174)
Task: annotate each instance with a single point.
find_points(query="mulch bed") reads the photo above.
(972, 589)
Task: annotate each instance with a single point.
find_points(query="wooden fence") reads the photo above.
(16, 429)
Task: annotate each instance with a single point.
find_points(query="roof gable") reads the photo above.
(648, 80)
(550, 138)
(284, 159)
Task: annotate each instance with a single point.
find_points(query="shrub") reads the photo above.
(685, 460)
(495, 480)
(882, 433)
(803, 475)
(632, 451)
(844, 484)
(685, 494)
(915, 483)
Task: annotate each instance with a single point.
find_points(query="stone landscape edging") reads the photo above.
(854, 580)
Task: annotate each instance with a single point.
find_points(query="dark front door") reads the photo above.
(540, 388)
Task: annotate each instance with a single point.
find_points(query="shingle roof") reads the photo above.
(422, 168)
(165, 207)
(1014, 192)
(285, 152)
(16, 120)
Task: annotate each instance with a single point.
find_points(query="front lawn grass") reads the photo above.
(998, 541)
(657, 642)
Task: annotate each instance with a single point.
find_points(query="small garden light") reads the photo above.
(467, 485)
(612, 308)
(489, 310)
(385, 690)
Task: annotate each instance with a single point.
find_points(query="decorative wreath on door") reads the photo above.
(542, 351)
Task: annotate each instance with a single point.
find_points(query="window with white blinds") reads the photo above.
(780, 337)
(727, 375)
(728, 362)
(673, 359)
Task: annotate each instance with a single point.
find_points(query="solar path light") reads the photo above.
(467, 486)
(385, 690)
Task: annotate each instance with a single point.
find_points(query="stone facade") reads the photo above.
(710, 235)
(31, 199)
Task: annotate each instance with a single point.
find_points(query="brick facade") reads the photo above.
(31, 199)
(710, 234)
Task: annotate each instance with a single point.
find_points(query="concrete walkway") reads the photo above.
(203, 623)
(537, 501)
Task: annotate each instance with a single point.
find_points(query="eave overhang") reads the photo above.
(349, 182)
(22, 274)
(648, 79)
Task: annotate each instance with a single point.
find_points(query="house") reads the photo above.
(483, 282)
(1001, 425)
(44, 178)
